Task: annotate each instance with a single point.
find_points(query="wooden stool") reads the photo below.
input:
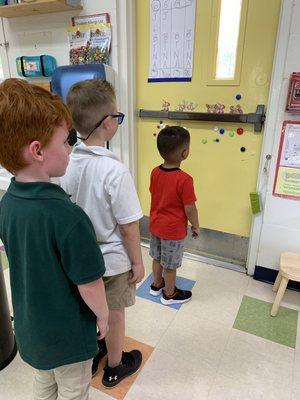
(289, 269)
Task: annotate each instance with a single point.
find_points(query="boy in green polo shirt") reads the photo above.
(55, 262)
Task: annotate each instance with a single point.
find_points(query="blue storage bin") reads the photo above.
(35, 66)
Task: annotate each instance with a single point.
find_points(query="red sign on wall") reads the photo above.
(293, 100)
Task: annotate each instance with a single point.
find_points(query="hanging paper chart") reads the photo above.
(172, 28)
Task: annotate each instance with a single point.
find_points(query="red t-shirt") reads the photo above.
(171, 189)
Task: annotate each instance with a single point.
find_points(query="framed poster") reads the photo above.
(287, 177)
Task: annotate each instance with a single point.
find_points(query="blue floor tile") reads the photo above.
(182, 283)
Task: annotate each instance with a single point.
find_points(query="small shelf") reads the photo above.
(36, 7)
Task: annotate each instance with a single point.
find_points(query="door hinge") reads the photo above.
(4, 44)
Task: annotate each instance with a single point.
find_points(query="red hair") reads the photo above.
(27, 112)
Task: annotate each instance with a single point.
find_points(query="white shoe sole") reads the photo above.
(155, 292)
(170, 302)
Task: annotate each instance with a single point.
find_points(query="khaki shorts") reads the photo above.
(68, 382)
(119, 292)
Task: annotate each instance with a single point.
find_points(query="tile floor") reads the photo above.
(221, 346)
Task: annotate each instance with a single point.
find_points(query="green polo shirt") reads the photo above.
(51, 247)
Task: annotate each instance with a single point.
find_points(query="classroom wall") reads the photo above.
(277, 229)
(46, 34)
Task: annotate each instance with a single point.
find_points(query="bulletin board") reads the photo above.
(224, 175)
(287, 177)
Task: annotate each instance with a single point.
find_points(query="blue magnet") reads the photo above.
(222, 131)
(238, 96)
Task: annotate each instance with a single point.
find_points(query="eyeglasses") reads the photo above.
(72, 138)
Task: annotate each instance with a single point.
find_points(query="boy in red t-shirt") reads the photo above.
(172, 205)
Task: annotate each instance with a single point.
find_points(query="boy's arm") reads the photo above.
(93, 294)
(131, 239)
(191, 213)
(85, 268)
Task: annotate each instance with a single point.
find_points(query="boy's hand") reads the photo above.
(138, 273)
(102, 324)
(195, 232)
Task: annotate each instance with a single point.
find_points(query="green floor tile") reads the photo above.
(254, 317)
(4, 260)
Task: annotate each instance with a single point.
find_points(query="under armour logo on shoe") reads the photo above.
(113, 378)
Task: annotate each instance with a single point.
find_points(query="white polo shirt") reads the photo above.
(100, 184)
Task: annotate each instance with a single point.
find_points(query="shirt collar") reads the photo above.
(168, 169)
(36, 190)
(81, 149)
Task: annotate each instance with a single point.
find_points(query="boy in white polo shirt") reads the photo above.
(99, 183)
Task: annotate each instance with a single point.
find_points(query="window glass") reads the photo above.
(229, 27)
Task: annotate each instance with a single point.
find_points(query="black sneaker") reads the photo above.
(179, 296)
(98, 357)
(156, 290)
(130, 364)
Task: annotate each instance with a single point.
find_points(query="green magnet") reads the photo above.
(231, 133)
(204, 141)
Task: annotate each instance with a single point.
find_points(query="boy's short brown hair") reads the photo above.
(27, 113)
(89, 101)
(170, 142)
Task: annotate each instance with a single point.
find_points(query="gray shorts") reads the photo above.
(168, 252)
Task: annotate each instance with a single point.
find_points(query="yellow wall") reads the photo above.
(223, 175)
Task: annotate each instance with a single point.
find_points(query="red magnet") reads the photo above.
(240, 131)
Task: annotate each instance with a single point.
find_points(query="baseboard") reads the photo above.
(269, 275)
(211, 244)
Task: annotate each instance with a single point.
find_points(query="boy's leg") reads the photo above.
(73, 380)
(170, 281)
(44, 386)
(102, 351)
(120, 293)
(115, 336)
(171, 259)
(157, 273)
(158, 280)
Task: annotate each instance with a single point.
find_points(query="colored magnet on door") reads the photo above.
(231, 134)
(243, 149)
(204, 141)
(240, 131)
(222, 131)
(238, 96)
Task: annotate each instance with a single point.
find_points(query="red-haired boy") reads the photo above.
(55, 263)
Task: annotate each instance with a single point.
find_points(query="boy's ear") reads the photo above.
(106, 122)
(33, 152)
(185, 153)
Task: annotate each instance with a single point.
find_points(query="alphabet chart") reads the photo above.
(172, 28)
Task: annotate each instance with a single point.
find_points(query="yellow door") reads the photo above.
(224, 165)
